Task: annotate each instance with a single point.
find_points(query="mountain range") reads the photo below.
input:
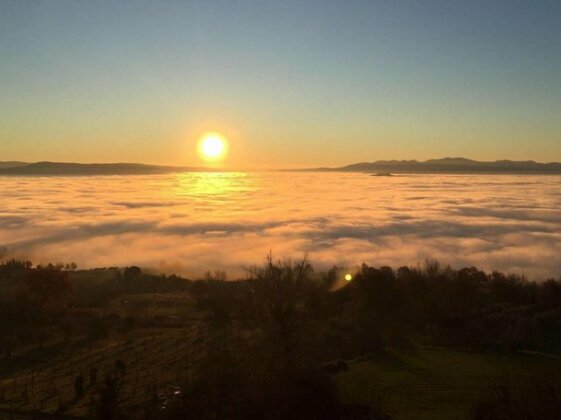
(446, 165)
(59, 168)
(450, 165)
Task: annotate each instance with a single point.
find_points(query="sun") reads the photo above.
(213, 146)
(348, 277)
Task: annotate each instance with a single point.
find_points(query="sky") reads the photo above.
(289, 83)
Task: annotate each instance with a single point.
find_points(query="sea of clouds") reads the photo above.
(191, 223)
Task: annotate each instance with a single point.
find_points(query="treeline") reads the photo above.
(380, 307)
(41, 303)
(279, 334)
(276, 337)
(429, 303)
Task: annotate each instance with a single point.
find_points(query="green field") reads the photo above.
(432, 383)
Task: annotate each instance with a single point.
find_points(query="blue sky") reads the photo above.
(289, 83)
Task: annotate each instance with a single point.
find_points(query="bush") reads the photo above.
(537, 399)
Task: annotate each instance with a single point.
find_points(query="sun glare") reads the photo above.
(213, 146)
(348, 277)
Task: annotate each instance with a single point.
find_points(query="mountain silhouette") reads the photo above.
(59, 168)
(450, 165)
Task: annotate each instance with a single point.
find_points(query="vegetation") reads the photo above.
(284, 342)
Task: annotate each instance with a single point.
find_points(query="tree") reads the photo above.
(132, 273)
(107, 402)
(79, 387)
(47, 288)
(282, 295)
(14, 269)
(93, 376)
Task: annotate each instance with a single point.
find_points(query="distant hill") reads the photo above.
(58, 168)
(450, 165)
(12, 164)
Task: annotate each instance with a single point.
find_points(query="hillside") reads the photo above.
(426, 342)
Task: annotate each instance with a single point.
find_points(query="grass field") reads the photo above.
(170, 335)
(425, 383)
(432, 384)
(156, 361)
(166, 342)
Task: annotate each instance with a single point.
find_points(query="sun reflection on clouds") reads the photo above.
(205, 184)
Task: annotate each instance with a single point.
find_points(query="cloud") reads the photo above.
(10, 222)
(143, 204)
(193, 224)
